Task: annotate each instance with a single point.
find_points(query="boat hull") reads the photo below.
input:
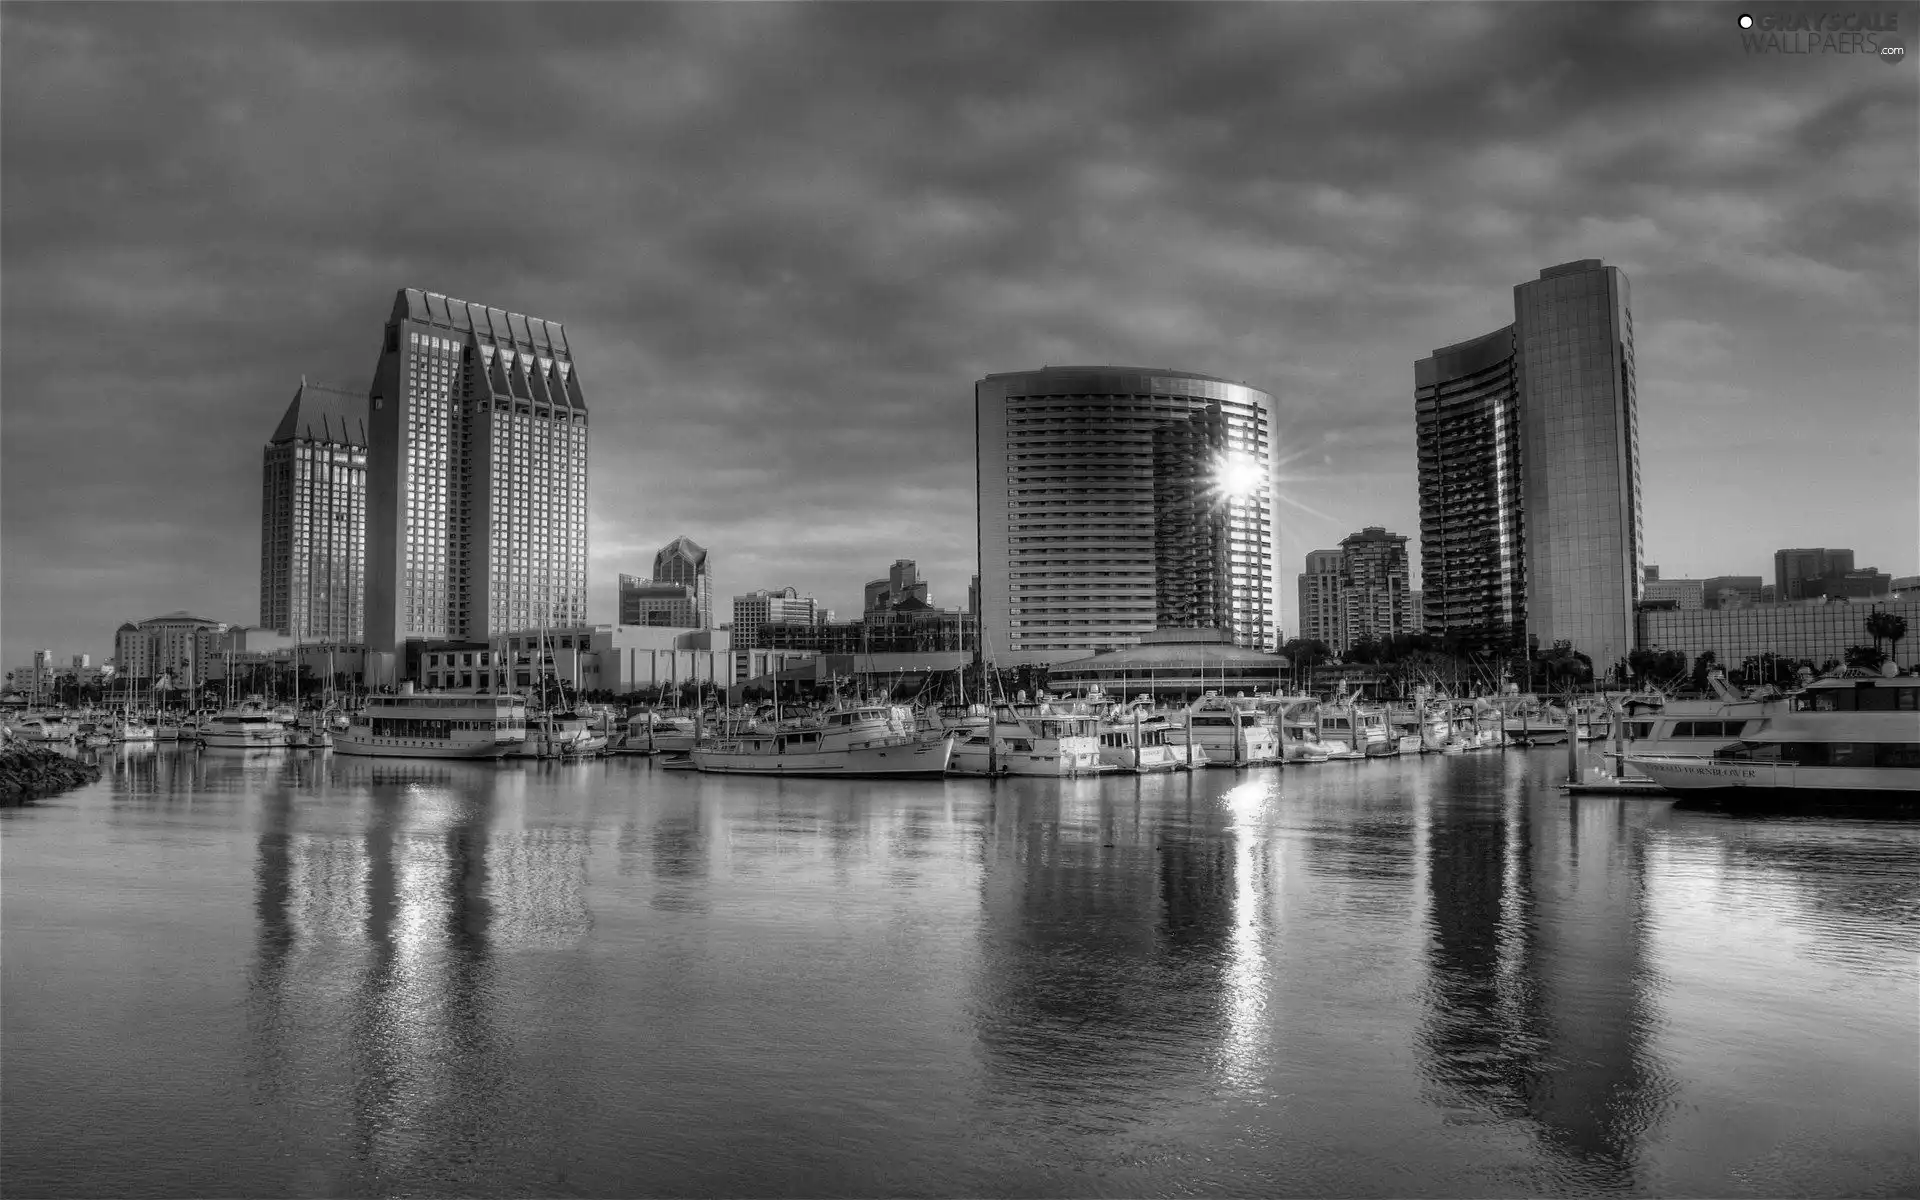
(1777, 782)
(903, 760)
(389, 747)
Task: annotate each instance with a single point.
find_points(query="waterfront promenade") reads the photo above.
(312, 975)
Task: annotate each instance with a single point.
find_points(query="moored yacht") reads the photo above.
(1851, 737)
(249, 725)
(1233, 734)
(1139, 743)
(1060, 745)
(864, 741)
(43, 727)
(1349, 729)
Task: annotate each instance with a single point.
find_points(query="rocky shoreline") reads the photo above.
(28, 773)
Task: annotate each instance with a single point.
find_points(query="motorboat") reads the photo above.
(1851, 737)
(1350, 729)
(1062, 745)
(249, 725)
(1139, 742)
(865, 741)
(51, 728)
(1232, 734)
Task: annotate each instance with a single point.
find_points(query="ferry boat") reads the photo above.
(1232, 735)
(1063, 745)
(250, 725)
(43, 727)
(435, 725)
(861, 741)
(1851, 737)
(1653, 725)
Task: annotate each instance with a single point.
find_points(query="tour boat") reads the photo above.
(1653, 725)
(1851, 737)
(862, 741)
(250, 725)
(1233, 735)
(1059, 745)
(435, 725)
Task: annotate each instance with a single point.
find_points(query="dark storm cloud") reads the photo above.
(785, 239)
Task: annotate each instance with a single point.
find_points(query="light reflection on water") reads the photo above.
(263, 973)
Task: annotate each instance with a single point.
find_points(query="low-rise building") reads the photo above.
(1174, 663)
(1813, 630)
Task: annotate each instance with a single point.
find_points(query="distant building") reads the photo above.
(903, 582)
(973, 595)
(1528, 445)
(767, 606)
(1321, 610)
(644, 602)
(1793, 568)
(1732, 591)
(1905, 583)
(1112, 498)
(176, 647)
(1810, 630)
(1862, 583)
(1376, 603)
(1684, 594)
(685, 562)
(313, 517)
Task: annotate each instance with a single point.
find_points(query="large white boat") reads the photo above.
(435, 725)
(1653, 725)
(249, 725)
(1140, 744)
(1232, 734)
(1851, 737)
(863, 741)
(43, 727)
(1352, 730)
(1059, 745)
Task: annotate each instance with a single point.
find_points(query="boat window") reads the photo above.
(1639, 729)
(1751, 752)
(1833, 700)
(1019, 744)
(1897, 754)
(1885, 699)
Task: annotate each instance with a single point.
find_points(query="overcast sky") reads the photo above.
(786, 239)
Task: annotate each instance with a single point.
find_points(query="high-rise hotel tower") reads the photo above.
(477, 487)
(313, 517)
(1116, 499)
(1529, 451)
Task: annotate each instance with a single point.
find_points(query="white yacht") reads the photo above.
(249, 725)
(1654, 725)
(43, 727)
(863, 741)
(1352, 730)
(1850, 737)
(435, 725)
(1138, 743)
(1233, 735)
(1058, 745)
(131, 729)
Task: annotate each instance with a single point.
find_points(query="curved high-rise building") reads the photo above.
(1114, 500)
(1529, 449)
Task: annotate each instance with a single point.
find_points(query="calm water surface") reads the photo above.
(257, 975)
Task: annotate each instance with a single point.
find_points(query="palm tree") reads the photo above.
(1886, 626)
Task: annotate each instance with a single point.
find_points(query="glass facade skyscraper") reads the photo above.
(1114, 499)
(1530, 472)
(313, 517)
(477, 489)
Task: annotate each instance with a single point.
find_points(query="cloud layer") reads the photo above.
(785, 239)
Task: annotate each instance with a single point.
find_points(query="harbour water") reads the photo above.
(273, 974)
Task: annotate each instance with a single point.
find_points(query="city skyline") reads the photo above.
(783, 292)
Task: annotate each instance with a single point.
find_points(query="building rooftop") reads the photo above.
(321, 412)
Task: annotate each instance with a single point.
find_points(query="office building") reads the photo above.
(1375, 601)
(175, 648)
(1093, 485)
(902, 583)
(1321, 610)
(1793, 568)
(1528, 438)
(313, 517)
(769, 606)
(645, 601)
(1731, 591)
(477, 476)
(1685, 594)
(684, 562)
